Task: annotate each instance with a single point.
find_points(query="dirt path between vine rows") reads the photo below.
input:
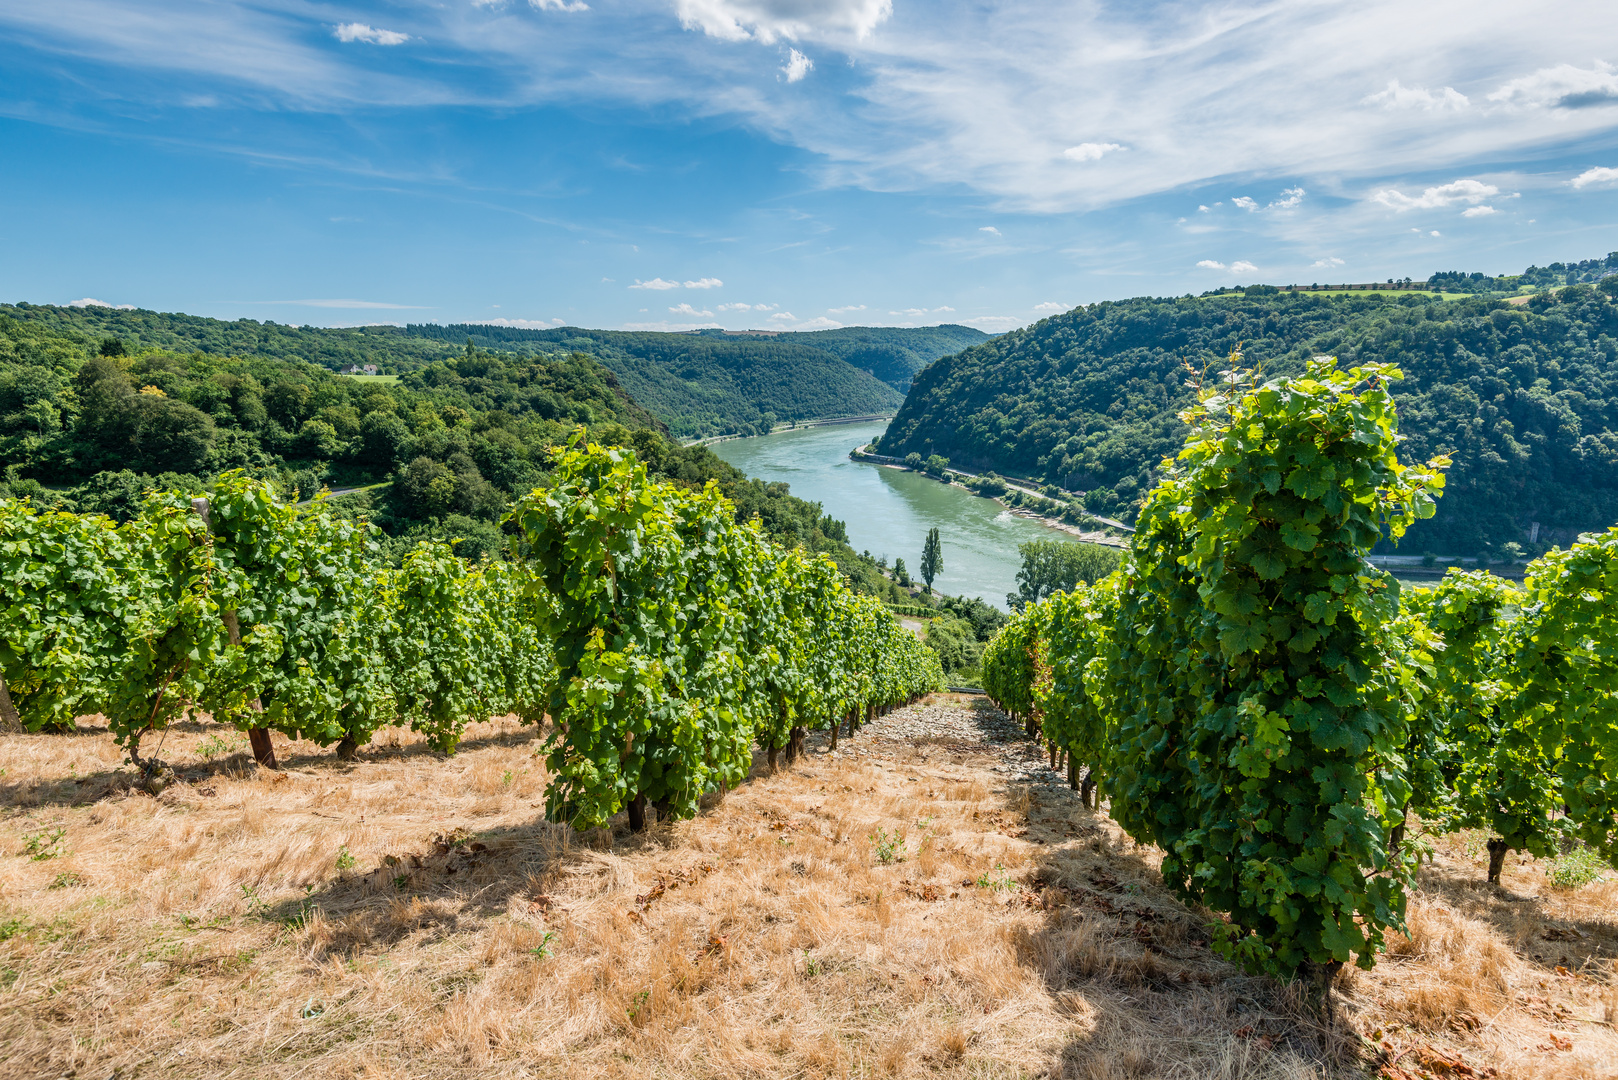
(927, 900)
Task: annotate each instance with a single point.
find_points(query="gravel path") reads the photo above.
(976, 727)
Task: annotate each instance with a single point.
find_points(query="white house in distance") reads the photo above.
(358, 369)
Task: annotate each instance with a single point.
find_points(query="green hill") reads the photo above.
(703, 383)
(893, 354)
(1525, 398)
(698, 384)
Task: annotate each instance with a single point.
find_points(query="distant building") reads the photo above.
(358, 369)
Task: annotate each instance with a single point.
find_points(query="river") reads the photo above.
(888, 511)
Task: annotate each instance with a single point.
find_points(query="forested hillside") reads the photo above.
(703, 384)
(1524, 398)
(893, 354)
(696, 384)
(88, 423)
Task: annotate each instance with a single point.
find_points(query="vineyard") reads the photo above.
(661, 638)
(1246, 809)
(1285, 723)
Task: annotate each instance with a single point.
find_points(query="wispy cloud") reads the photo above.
(845, 310)
(767, 21)
(1477, 211)
(92, 302)
(687, 309)
(704, 283)
(1211, 264)
(369, 34)
(1242, 266)
(1330, 262)
(748, 307)
(990, 229)
(1052, 305)
(669, 327)
(656, 283)
(994, 322)
(556, 5)
(349, 305)
(522, 324)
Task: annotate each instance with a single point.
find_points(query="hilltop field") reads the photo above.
(926, 900)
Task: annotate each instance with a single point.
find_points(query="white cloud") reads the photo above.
(783, 316)
(1245, 203)
(1477, 211)
(687, 309)
(845, 310)
(1397, 96)
(656, 283)
(522, 324)
(1051, 305)
(1242, 267)
(921, 313)
(1330, 262)
(1563, 86)
(797, 66)
(350, 305)
(369, 34)
(1598, 175)
(1203, 210)
(704, 283)
(669, 327)
(1211, 264)
(1091, 151)
(990, 229)
(747, 307)
(1456, 191)
(1294, 196)
(994, 322)
(1435, 232)
(91, 302)
(551, 5)
(768, 20)
(819, 322)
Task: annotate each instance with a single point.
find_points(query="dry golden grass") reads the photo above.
(220, 930)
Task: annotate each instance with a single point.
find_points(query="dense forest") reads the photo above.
(89, 423)
(893, 354)
(1525, 398)
(705, 383)
(702, 384)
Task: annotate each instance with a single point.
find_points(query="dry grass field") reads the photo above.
(924, 902)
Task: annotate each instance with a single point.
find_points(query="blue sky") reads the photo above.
(785, 163)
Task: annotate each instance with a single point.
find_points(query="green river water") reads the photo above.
(888, 511)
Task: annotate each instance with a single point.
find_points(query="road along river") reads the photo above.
(888, 511)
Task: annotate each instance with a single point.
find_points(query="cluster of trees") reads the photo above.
(1277, 718)
(1525, 401)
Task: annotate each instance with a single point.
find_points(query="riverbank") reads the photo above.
(798, 425)
(1089, 536)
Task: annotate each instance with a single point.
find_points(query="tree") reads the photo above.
(1053, 566)
(932, 558)
(900, 574)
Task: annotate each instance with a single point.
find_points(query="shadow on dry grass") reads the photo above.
(906, 907)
